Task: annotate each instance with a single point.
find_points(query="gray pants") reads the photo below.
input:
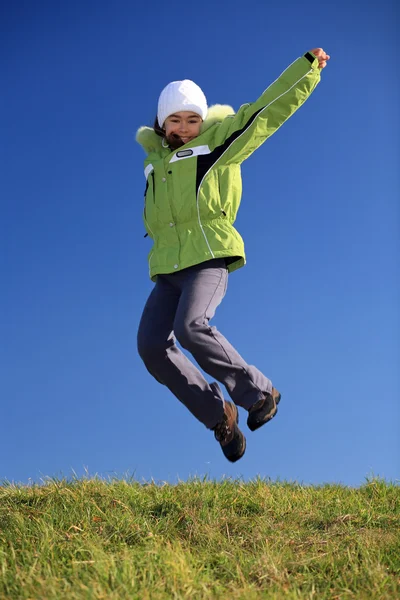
(180, 307)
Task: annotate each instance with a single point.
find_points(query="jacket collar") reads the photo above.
(151, 142)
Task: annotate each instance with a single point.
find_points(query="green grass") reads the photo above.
(92, 539)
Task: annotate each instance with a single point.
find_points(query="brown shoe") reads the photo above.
(228, 434)
(264, 410)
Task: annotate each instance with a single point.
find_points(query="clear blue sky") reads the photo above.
(317, 305)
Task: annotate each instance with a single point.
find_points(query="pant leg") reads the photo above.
(167, 363)
(203, 288)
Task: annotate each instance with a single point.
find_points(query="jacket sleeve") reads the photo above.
(237, 136)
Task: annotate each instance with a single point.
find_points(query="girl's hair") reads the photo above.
(157, 128)
(172, 143)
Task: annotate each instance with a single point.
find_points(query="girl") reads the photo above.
(192, 197)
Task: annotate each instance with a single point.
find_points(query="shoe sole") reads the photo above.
(236, 457)
(260, 422)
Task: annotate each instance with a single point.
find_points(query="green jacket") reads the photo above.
(193, 194)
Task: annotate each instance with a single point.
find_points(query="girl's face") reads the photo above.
(182, 127)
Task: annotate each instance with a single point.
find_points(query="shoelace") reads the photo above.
(221, 431)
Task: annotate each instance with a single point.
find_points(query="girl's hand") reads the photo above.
(322, 56)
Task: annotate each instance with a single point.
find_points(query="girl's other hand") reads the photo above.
(322, 56)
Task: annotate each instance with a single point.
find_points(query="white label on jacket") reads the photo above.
(148, 170)
(182, 154)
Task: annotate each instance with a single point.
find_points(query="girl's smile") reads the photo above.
(182, 127)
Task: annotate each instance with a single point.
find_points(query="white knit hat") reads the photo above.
(179, 96)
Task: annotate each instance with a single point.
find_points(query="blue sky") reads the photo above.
(317, 305)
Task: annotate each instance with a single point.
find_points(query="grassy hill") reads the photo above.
(92, 539)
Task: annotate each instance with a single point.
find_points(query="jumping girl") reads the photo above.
(192, 197)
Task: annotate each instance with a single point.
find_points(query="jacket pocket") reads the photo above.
(221, 199)
(150, 190)
(146, 192)
(154, 187)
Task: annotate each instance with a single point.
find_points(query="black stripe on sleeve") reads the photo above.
(206, 161)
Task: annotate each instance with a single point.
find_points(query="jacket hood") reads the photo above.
(151, 142)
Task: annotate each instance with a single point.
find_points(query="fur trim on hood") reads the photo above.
(151, 142)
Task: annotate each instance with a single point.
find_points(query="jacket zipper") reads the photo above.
(174, 219)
